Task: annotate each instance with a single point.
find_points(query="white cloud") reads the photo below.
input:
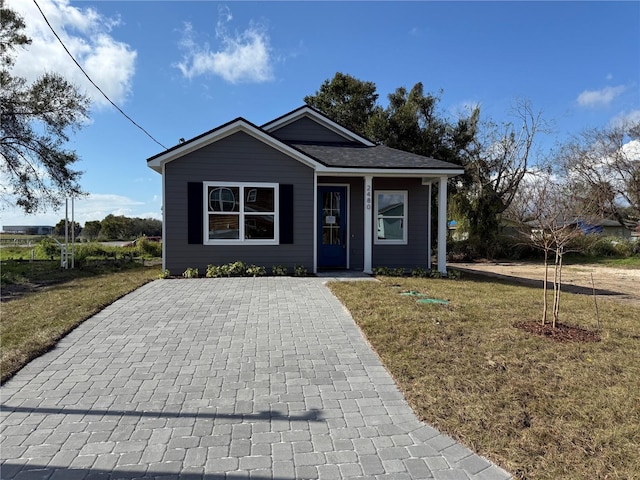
(240, 57)
(631, 150)
(95, 206)
(626, 118)
(87, 35)
(600, 98)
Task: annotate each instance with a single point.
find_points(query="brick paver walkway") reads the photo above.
(220, 378)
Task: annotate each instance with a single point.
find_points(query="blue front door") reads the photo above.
(332, 227)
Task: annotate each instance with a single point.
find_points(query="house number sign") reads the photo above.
(368, 198)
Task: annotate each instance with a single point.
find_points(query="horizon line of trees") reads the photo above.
(112, 227)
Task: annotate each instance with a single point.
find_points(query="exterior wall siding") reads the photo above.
(414, 254)
(237, 158)
(306, 130)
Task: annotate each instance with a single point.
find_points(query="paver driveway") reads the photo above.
(220, 378)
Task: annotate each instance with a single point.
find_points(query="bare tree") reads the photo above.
(496, 164)
(603, 165)
(551, 211)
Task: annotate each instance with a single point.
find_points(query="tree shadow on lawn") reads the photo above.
(531, 282)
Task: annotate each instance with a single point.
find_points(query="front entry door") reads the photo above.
(332, 227)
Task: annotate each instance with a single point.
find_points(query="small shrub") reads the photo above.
(214, 271)
(300, 271)
(435, 274)
(148, 248)
(255, 271)
(454, 274)
(386, 271)
(623, 248)
(397, 272)
(602, 247)
(48, 248)
(279, 270)
(236, 269)
(419, 272)
(164, 274)
(190, 273)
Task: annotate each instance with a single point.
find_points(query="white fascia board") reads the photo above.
(321, 119)
(388, 172)
(235, 127)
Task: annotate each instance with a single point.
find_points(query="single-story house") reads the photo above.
(298, 190)
(604, 226)
(29, 229)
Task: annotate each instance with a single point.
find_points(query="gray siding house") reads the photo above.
(299, 190)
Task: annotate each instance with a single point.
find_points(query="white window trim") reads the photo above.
(241, 213)
(382, 241)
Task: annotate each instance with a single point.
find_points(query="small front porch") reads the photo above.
(382, 220)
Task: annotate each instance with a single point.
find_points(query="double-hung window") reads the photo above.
(391, 211)
(241, 213)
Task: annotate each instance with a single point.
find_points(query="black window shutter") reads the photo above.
(194, 213)
(286, 214)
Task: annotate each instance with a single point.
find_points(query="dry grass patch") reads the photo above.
(33, 323)
(541, 409)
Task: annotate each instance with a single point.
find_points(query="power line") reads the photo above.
(92, 82)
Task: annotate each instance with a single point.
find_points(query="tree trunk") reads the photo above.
(556, 287)
(556, 301)
(544, 286)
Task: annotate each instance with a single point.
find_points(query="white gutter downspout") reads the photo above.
(442, 225)
(368, 225)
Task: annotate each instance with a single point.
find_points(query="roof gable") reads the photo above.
(306, 112)
(230, 128)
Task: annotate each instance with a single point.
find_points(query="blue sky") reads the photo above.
(180, 68)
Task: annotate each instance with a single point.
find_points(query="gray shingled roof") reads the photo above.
(357, 156)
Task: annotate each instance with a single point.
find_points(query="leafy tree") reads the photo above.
(115, 227)
(34, 123)
(124, 228)
(149, 227)
(603, 164)
(91, 229)
(347, 101)
(412, 123)
(72, 227)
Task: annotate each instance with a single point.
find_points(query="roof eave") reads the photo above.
(389, 172)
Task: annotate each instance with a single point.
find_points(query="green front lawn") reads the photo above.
(539, 408)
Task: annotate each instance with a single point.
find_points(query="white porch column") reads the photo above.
(442, 225)
(429, 214)
(368, 222)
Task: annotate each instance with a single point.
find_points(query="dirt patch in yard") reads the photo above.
(561, 333)
(617, 284)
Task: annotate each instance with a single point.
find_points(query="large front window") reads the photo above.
(391, 210)
(241, 213)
